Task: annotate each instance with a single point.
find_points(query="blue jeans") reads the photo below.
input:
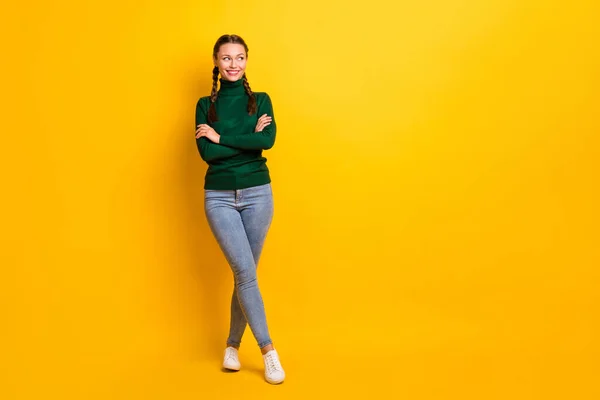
(239, 220)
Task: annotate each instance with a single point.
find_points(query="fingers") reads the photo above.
(263, 121)
(201, 131)
(203, 127)
(264, 118)
(262, 126)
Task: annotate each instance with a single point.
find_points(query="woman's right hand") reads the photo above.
(263, 121)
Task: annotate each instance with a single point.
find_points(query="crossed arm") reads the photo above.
(213, 146)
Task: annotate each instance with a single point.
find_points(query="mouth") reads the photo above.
(233, 72)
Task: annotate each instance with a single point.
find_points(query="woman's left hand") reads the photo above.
(208, 132)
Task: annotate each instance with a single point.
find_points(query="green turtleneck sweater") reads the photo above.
(236, 162)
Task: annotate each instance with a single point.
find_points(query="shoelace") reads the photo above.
(230, 355)
(273, 363)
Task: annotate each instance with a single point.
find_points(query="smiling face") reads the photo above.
(231, 61)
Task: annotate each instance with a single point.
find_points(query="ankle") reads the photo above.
(266, 349)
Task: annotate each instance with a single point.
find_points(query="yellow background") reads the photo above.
(436, 186)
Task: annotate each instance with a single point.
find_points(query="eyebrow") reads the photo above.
(227, 55)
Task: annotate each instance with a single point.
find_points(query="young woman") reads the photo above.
(234, 125)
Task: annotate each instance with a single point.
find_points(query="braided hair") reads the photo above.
(251, 98)
(212, 111)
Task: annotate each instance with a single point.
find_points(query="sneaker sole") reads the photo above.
(272, 382)
(231, 368)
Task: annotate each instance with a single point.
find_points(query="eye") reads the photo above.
(225, 58)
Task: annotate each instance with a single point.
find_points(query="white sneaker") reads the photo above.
(231, 360)
(273, 371)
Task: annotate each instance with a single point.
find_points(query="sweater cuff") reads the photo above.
(226, 140)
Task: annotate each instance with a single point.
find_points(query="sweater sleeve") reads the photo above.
(210, 151)
(255, 140)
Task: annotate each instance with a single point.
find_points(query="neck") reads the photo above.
(232, 88)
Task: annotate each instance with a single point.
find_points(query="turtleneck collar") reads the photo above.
(229, 88)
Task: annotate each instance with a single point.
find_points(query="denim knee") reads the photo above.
(245, 277)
